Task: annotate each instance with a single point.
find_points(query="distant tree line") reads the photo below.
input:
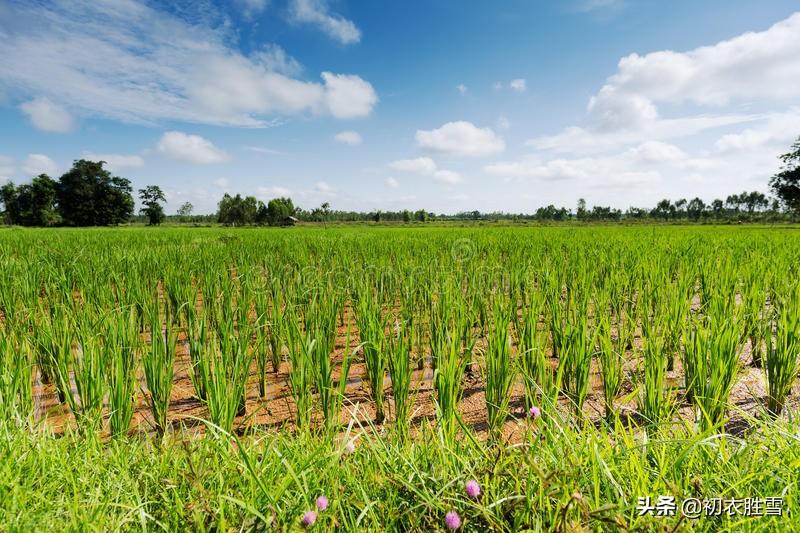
(88, 195)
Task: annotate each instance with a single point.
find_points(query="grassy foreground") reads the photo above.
(561, 478)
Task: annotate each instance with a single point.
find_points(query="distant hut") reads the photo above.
(290, 221)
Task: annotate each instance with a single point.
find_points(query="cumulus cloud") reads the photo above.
(116, 162)
(421, 165)
(268, 193)
(391, 183)
(189, 149)
(460, 138)
(352, 138)
(316, 12)
(36, 164)
(518, 85)
(755, 66)
(425, 166)
(129, 61)
(47, 116)
(252, 7)
(449, 177)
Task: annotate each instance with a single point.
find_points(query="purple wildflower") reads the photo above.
(535, 412)
(309, 518)
(322, 503)
(452, 520)
(473, 489)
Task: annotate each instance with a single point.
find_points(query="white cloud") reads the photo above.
(503, 123)
(422, 165)
(252, 7)
(190, 149)
(460, 138)
(323, 187)
(518, 85)
(753, 67)
(657, 152)
(391, 183)
(131, 62)
(261, 150)
(36, 164)
(348, 96)
(352, 138)
(316, 12)
(462, 88)
(268, 193)
(116, 162)
(222, 183)
(447, 176)
(47, 116)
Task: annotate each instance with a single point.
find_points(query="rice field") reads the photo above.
(378, 378)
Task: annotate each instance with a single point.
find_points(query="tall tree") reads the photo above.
(151, 197)
(786, 183)
(278, 209)
(185, 210)
(30, 204)
(88, 195)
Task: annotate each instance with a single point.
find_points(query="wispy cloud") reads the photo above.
(131, 62)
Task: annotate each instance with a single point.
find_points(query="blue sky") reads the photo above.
(445, 105)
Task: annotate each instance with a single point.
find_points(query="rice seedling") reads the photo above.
(371, 327)
(158, 363)
(655, 402)
(449, 386)
(398, 349)
(301, 375)
(499, 372)
(89, 374)
(611, 364)
(539, 376)
(121, 346)
(16, 395)
(782, 354)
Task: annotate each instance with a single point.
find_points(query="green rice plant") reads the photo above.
(301, 373)
(655, 402)
(158, 363)
(320, 321)
(197, 337)
(224, 376)
(122, 343)
(277, 329)
(756, 316)
(371, 328)
(398, 349)
(16, 369)
(338, 398)
(89, 372)
(711, 364)
(611, 364)
(575, 356)
(499, 370)
(539, 376)
(782, 334)
(448, 383)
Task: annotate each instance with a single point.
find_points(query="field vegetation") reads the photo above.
(397, 378)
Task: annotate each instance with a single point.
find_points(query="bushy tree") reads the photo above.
(786, 183)
(237, 211)
(278, 209)
(185, 210)
(30, 204)
(152, 196)
(88, 195)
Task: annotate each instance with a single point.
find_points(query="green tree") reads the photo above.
(786, 183)
(30, 204)
(88, 195)
(151, 197)
(278, 210)
(185, 210)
